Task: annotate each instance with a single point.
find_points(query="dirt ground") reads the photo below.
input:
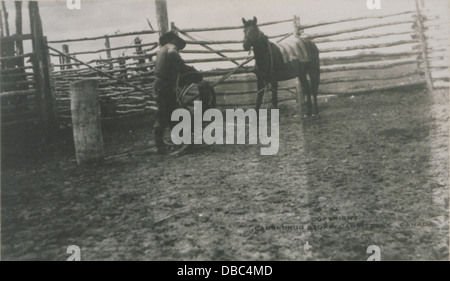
(373, 170)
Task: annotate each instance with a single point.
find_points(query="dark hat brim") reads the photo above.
(172, 36)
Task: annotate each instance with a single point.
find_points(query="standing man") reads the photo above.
(169, 65)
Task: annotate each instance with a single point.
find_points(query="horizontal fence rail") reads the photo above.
(103, 37)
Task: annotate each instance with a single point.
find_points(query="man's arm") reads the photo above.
(177, 60)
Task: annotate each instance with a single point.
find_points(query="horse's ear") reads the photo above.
(254, 20)
(244, 21)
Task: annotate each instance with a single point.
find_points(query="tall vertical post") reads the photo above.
(19, 48)
(85, 110)
(45, 98)
(296, 21)
(19, 43)
(161, 16)
(1, 25)
(423, 45)
(66, 60)
(108, 50)
(99, 66)
(49, 90)
(123, 69)
(141, 61)
(5, 13)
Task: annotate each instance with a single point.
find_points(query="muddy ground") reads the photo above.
(373, 170)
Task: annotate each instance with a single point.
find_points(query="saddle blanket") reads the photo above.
(295, 49)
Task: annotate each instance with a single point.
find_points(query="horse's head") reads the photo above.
(251, 33)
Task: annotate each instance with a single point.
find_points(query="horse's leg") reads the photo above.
(274, 94)
(260, 86)
(300, 95)
(306, 89)
(314, 77)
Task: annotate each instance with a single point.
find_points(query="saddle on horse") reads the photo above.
(297, 49)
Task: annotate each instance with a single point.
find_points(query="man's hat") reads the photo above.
(169, 37)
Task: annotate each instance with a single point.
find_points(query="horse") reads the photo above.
(281, 62)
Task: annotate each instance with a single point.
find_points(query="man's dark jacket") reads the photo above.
(169, 63)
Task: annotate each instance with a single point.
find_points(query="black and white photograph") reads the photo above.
(224, 130)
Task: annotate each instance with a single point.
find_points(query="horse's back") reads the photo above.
(297, 49)
(292, 57)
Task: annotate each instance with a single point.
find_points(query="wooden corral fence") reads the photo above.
(374, 53)
(434, 33)
(133, 65)
(27, 100)
(358, 55)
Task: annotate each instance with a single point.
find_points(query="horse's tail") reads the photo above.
(315, 57)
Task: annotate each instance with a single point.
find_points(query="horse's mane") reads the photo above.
(266, 39)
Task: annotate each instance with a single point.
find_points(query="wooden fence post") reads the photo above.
(108, 51)
(66, 60)
(19, 49)
(99, 66)
(161, 16)
(45, 98)
(423, 43)
(5, 12)
(50, 96)
(137, 42)
(1, 25)
(85, 110)
(123, 69)
(19, 43)
(296, 22)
